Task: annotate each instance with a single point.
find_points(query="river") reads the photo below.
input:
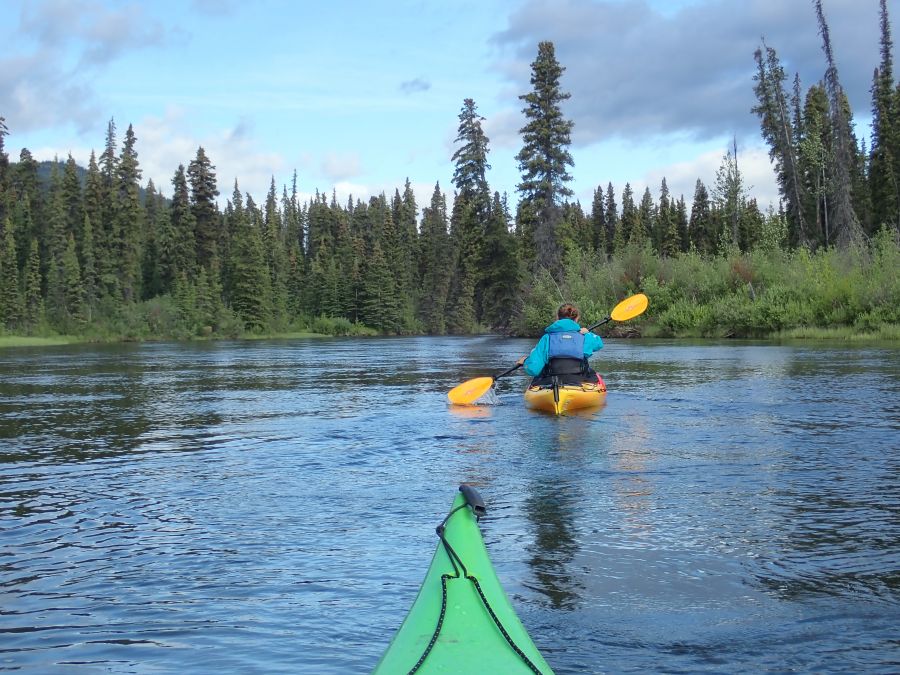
(269, 506)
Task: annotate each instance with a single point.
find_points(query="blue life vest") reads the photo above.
(566, 345)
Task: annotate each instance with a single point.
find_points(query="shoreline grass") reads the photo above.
(30, 341)
(884, 333)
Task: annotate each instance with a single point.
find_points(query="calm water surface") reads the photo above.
(270, 507)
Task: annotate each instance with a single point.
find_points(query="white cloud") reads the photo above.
(634, 70)
(339, 167)
(681, 177)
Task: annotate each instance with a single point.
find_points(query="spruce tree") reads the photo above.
(177, 245)
(33, 311)
(435, 274)
(502, 280)
(701, 232)
(24, 228)
(780, 133)
(667, 240)
(730, 197)
(813, 158)
(88, 268)
(646, 221)
(10, 299)
(251, 288)
(544, 157)
(5, 183)
(630, 218)
(93, 206)
(461, 302)
(470, 215)
(276, 258)
(129, 220)
(378, 306)
(845, 222)
(883, 182)
(73, 309)
(71, 187)
(598, 222)
(613, 226)
(202, 179)
(105, 234)
(681, 225)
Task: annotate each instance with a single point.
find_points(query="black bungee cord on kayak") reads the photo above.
(479, 510)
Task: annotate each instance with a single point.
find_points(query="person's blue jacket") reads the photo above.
(539, 356)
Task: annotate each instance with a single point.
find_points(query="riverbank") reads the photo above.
(886, 333)
(57, 340)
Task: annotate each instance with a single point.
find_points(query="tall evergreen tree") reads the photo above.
(681, 225)
(71, 187)
(884, 183)
(105, 234)
(470, 158)
(501, 300)
(73, 308)
(466, 245)
(613, 224)
(177, 241)
(646, 220)
(10, 298)
(470, 215)
(435, 274)
(276, 257)
(89, 267)
(33, 311)
(843, 155)
(202, 179)
(251, 289)
(813, 158)
(779, 133)
(630, 219)
(544, 157)
(5, 182)
(598, 222)
(93, 207)
(407, 230)
(667, 240)
(700, 227)
(129, 226)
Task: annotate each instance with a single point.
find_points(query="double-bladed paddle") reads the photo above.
(471, 390)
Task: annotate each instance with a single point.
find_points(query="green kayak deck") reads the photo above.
(461, 620)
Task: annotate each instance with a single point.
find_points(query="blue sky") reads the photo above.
(359, 96)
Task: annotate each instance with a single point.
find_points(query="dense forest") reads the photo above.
(96, 253)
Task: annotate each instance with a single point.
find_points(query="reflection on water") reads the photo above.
(550, 508)
(270, 506)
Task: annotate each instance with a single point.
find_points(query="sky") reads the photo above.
(358, 97)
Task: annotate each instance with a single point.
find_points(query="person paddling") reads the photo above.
(563, 351)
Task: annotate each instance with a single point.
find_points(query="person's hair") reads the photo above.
(567, 311)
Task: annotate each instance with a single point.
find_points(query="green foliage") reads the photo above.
(757, 294)
(338, 326)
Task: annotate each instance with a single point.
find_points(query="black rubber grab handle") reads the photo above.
(473, 499)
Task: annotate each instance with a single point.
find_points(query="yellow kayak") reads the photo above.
(570, 397)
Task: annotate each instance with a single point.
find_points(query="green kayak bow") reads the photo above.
(461, 620)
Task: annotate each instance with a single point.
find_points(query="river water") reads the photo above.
(268, 507)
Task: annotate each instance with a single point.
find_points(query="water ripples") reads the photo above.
(270, 506)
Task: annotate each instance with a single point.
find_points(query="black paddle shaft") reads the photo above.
(599, 323)
(507, 372)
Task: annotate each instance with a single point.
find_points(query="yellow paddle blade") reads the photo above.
(470, 391)
(630, 307)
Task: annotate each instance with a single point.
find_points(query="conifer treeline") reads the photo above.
(77, 251)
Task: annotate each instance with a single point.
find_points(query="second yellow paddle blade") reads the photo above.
(470, 391)
(630, 307)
